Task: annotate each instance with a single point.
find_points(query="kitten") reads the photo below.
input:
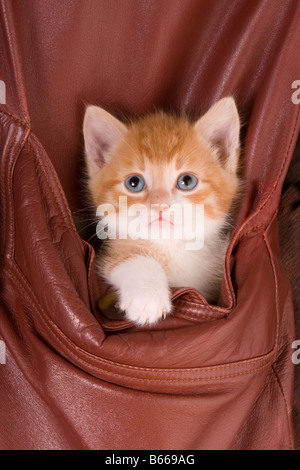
(157, 163)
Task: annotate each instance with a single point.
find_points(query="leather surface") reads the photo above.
(289, 237)
(211, 377)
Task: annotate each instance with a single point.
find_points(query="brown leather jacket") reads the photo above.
(211, 377)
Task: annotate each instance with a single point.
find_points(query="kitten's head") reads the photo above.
(164, 164)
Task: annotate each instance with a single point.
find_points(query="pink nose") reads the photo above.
(161, 199)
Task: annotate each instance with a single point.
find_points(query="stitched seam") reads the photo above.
(276, 341)
(274, 185)
(8, 203)
(275, 284)
(126, 366)
(256, 228)
(65, 217)
(15, 118)
(286, 405)
(179, 380)
(249, 416)
(9, 208)
(204, 307)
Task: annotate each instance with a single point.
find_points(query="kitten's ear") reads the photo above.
(102, 132)
(220, 129)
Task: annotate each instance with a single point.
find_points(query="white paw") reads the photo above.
(146, 305)
(143, 289)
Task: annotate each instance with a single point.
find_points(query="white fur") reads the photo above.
(200, 269)
(143, 289)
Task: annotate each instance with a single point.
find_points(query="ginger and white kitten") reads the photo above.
(160, 162)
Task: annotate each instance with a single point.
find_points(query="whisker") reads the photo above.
(84, 209)
(90, 219)
(85, 227)
(91, 238)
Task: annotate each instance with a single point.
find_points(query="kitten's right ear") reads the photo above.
(102, 132)
(220, 129)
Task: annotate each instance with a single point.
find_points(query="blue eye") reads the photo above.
(135, 183)
(187, 182)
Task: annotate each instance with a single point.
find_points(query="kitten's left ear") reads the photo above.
(220, 129)
(102, 132)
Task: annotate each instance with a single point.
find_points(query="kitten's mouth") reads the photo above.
(162, 220)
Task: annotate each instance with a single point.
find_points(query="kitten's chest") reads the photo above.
(185, 268)
(201, 269)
